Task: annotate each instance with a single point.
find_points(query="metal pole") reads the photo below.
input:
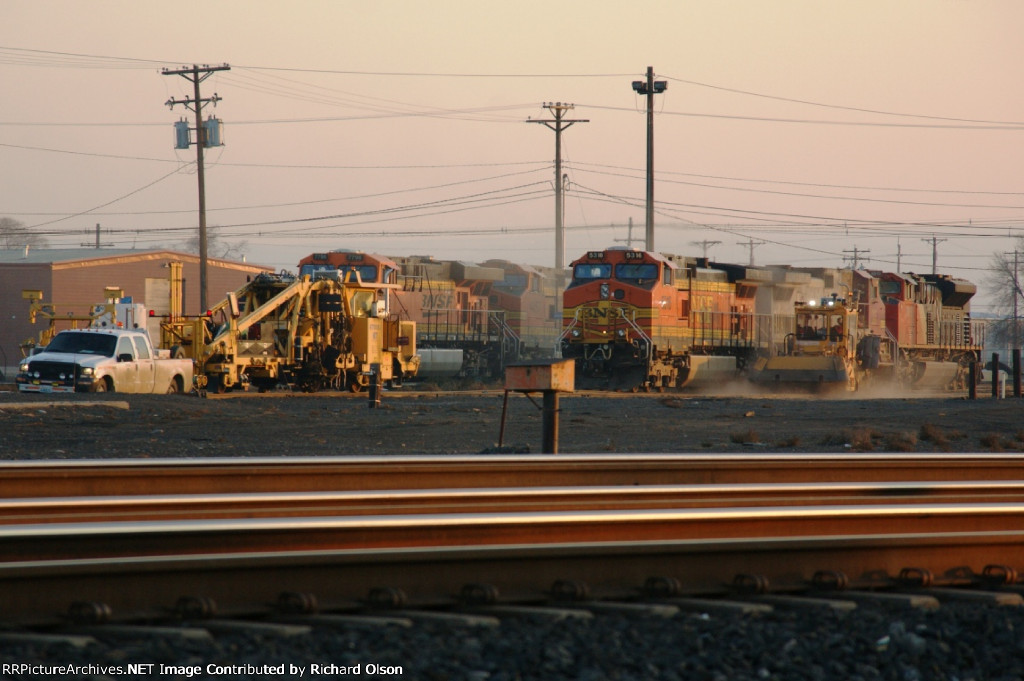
(1016, 372)
(374, 393)
(995, 374)
(504, 413)
(550, 417)
(1016, 295)
(649, 239)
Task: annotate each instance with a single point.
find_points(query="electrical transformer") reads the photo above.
(181, 137)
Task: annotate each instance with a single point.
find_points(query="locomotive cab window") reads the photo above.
(581, 274)
(368, 273)
(638, 274)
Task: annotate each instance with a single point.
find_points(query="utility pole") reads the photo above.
(1016, 295)
(98, 243)
(197, 74)
(935, 250)
(650, 88)
(751, 245)
(705, 244)
(856, 257)
(559, 124)
(629, 236)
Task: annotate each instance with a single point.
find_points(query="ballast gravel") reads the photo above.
(958, 642)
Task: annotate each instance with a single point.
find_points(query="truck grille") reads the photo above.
(51, 371)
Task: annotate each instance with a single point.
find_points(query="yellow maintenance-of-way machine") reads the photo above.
(308, 334)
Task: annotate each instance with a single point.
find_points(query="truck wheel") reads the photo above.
(175, 387)
(101, 386)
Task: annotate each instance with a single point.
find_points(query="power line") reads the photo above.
(840, 106)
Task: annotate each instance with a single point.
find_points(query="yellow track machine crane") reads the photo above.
(305, 333)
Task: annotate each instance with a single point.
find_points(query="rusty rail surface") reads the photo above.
(142, 552)
(166, 507)
(236, 475)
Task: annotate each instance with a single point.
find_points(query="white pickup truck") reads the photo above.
(102, 360)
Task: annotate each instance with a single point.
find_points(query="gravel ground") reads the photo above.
(955, 642)
(290, 424)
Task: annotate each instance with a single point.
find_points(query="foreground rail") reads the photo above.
(256, 474)
(140, 554)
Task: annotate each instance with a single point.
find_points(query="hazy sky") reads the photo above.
(816, 127)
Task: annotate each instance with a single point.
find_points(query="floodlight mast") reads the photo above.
(198, 74)
(650, 87)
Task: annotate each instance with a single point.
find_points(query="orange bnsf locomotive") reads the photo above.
(639, 320)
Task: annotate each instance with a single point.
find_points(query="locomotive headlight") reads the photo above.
(604, 290)
(621, 333)
(575, 333)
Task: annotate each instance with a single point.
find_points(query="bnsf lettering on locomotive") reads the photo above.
(438, 301)
(634, 255)
(703, 303)
(596, 313)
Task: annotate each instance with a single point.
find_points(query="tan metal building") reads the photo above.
(78, 277)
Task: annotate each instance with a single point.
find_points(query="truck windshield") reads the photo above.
(83, 343)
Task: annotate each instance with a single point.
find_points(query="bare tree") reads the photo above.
(217, 247)
(1004, 285)
(14, 234)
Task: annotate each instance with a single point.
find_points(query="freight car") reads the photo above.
(639, 320)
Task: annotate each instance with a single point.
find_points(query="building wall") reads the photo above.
(14, 310)
(78, 284)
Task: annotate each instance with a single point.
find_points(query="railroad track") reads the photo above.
(25, 479)
(137, 538)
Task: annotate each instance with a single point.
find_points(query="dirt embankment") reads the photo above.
(87, 426)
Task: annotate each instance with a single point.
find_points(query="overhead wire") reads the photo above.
(274, 84)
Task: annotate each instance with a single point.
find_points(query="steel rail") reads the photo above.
(181, 537)
(136, 535)
(238, 475)
(135, 567)
(134, 508)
